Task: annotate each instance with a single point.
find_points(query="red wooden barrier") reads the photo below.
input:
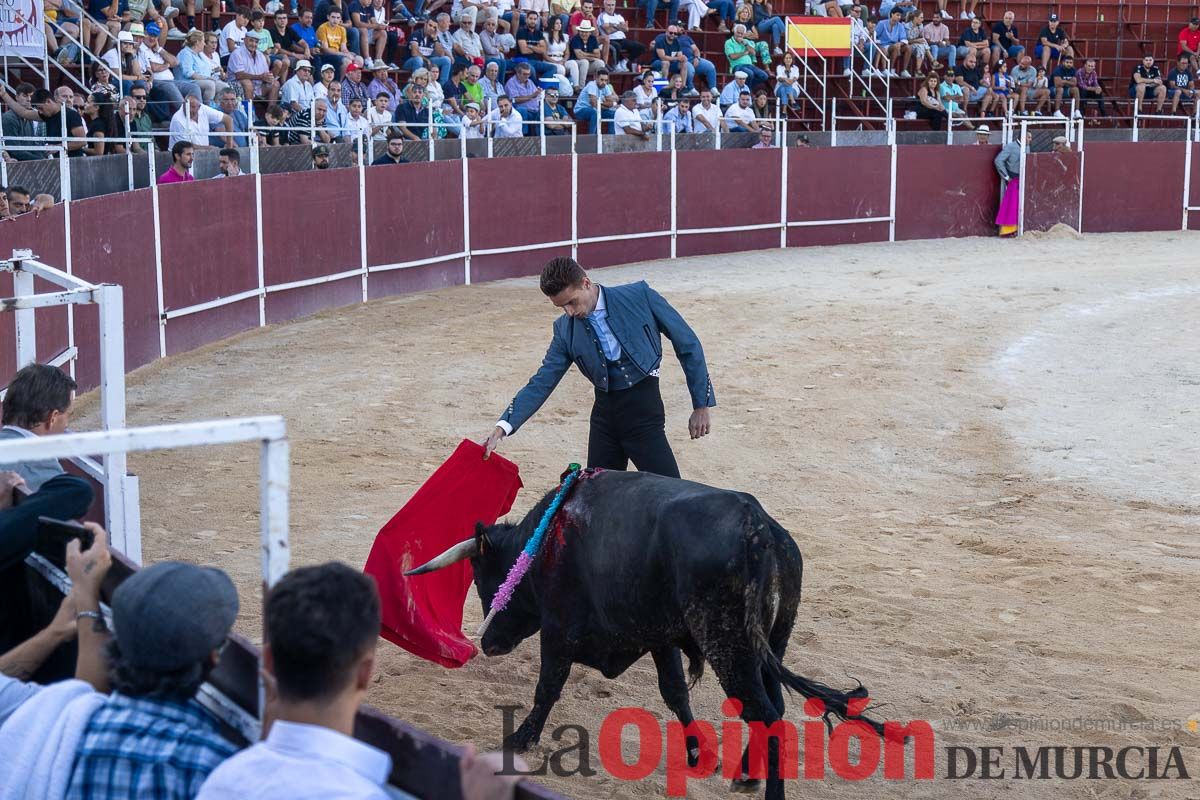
(518, 202)
(403, 225)
(629, 194)
(946, 191)
(723, 188)
(311, 223)
(1133, 187)
(1052, 190)
(112, 241)
(44, 235)
(838, 183)
(208, 252)
(310, 230)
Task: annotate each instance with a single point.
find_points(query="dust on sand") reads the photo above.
(997, 535)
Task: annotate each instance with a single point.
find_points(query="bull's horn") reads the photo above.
(459, 552)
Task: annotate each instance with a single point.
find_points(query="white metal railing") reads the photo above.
(122, 516)
(1139, 116)
(274, 480)
(888, 120)
(86, 56)
(872, 72)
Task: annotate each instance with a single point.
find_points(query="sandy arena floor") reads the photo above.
(986, 450)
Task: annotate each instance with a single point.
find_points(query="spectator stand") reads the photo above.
(122, 514)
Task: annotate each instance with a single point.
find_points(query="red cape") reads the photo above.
(423, 614)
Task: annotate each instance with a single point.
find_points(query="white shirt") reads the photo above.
(147, 57)
(301, 762)
(112, 58)
(230, 31)
(739, 115)
(712, 114)
(298, 91)
(358, 127)
(377, 118)
(611, 19)
(505, 128)
(644, 98)
(627, 118)
(783, 72)
(472, 130)
(195, 131)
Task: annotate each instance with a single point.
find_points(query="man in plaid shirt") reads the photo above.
(150, 738)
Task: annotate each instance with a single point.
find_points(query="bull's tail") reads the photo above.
(763, 592)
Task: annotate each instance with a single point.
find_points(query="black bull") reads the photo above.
(637, 563)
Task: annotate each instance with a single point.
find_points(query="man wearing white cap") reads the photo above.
(1062, 144)
(733, 89)
(982, 134)
(298, 93)
(472, 121)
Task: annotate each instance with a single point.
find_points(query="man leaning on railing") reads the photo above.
(20, 129)
(45, 109)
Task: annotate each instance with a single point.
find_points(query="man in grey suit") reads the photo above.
(613, 333)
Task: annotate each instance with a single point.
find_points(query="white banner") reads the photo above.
(22, 28)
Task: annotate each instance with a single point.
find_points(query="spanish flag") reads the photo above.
(824, 36)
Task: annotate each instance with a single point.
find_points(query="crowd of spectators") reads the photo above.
(128, 724)
(330, 73)
(350, 69)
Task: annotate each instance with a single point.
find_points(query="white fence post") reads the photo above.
(362, 212)
(258, 231)
(783, 184)
(126, 538)
(466, 196)
(892, 199)
(1021, 181)
(158, 270)
(26, 323)
(574, 193)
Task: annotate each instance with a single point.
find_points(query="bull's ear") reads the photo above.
(481, 538)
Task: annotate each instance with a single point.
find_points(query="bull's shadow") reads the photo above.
(637, 563)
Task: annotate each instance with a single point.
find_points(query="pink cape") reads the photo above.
(1010, 205)
(423, 614)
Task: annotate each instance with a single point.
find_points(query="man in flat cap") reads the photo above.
(150, 737)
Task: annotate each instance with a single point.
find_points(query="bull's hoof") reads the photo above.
(693, 751)
(745, 786)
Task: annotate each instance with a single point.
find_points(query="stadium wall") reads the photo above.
(348, 235)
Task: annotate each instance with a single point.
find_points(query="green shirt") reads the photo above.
(473, 93)
(265, 43)
(739, 54)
